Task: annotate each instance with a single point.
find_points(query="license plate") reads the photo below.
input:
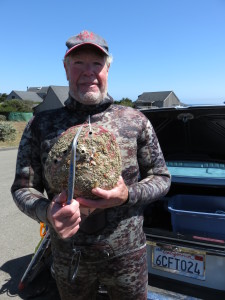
(182, 261)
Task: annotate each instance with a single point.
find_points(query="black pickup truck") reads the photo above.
(186, 229)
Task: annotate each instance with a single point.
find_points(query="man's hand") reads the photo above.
(107, 198)
(64, 218)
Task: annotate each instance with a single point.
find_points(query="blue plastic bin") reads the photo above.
(198, 215)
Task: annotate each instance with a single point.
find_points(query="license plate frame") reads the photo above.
(179, 260)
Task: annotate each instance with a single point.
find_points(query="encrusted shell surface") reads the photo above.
(98, 161)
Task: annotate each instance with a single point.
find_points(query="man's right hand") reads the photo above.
(64, 218)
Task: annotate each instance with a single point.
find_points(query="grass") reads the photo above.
(19, 126)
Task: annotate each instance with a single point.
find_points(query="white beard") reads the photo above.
(90, 98)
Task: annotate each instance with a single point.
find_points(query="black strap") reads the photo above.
(74, 265)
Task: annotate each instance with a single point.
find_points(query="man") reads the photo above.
(109, 246)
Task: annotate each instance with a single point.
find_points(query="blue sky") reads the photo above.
(158, 45)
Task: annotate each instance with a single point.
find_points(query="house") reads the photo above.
(156, 100)
(55, 98)
(41, 91)
(50, 97)
(23, 95)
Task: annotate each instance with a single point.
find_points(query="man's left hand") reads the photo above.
(107, 198)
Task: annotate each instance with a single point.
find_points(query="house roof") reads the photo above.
(55, 98)
(31, 96)
(42, 89)
(62, 92)
(153, 96)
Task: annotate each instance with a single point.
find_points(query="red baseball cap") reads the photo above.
(86, 38)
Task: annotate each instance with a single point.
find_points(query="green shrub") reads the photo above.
(2, 118)
(7, 132)
(16, 105)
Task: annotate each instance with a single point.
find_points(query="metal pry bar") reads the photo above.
(72, 169)
(37, 262)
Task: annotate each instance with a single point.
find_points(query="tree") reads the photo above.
(125, 102)
(3, 97)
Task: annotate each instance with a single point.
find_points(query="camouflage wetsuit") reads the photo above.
(112, 241)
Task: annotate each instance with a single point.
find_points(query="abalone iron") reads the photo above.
(72, 169)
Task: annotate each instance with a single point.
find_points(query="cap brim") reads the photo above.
(80, 45)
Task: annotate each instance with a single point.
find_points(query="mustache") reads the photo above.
(89, 82)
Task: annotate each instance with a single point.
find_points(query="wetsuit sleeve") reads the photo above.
(155, 179)
(27, 189)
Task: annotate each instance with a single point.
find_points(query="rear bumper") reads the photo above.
(162, 294)
(167, 289)
(214, 264)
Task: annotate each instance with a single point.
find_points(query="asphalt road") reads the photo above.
(19, 234)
